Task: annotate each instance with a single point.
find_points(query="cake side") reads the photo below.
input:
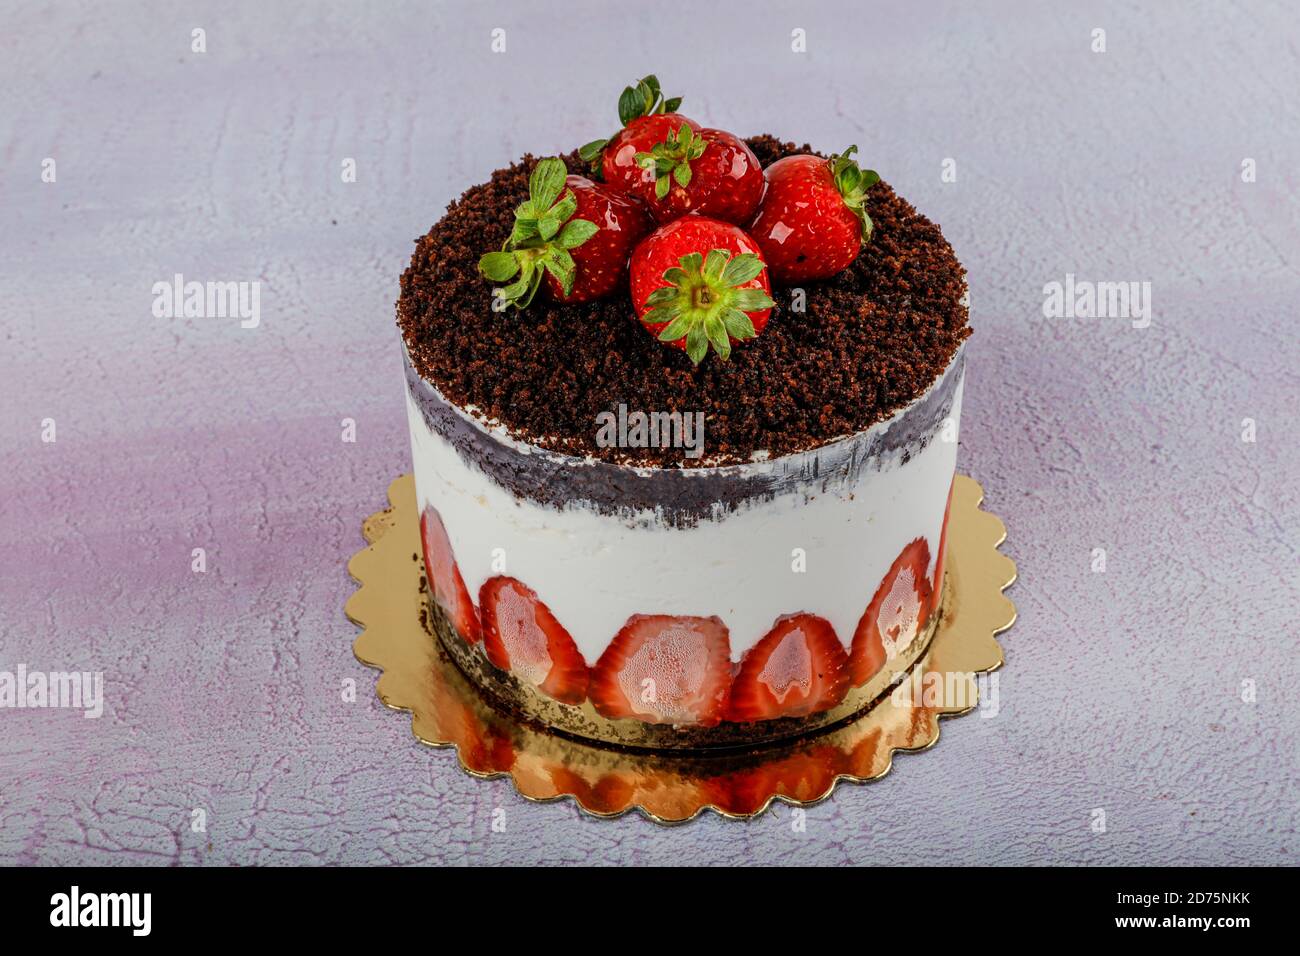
(676, 497)
(817, 532)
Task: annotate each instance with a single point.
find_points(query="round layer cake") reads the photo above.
(635, 548)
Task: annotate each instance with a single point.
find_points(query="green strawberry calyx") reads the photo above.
(853, 183)
(671, 159)
(643, 98)
(704, 304)
(543, 234)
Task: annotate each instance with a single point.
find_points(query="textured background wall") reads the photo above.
(1123, 689)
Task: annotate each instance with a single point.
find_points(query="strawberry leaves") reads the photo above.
(499, 266)
(576, 232)
(671, 159)
(704, 304)
(853, 183)
(643, 98)
(546, 182)
(543, 233)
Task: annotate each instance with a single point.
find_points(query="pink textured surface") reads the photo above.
(1123, 689)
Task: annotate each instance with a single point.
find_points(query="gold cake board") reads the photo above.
(420, 676)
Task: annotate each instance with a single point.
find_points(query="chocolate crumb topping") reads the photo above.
(868, 341)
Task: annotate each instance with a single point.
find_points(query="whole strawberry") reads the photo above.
(699, 283)
(708, 171)
(673, 164)
(813, 220)
(647, 118)
(575, 233)
(619, 165)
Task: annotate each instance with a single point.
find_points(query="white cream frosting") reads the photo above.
(595, 570)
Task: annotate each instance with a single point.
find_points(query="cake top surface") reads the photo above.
(867, 342)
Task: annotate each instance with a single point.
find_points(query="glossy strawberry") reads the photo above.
(574, 233)
(646, 118)
(896, 614)
(699, 283)
(445, 583)
(707, 171)
(665, 670)
(813, 220)
(601, 261)
(619, 166)
(673, 164)
(798, 668)
(522, 636)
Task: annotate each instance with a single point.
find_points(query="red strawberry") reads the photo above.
(619, 165)
(798, 668)
(570, 230)
(699, 282)
(522, 636)
(601, 261)
(708, 171)
(896, 614)
(936, 585)
(813, 220)
(674, 165)
(663, 669)
(445, 582)
(647, 118)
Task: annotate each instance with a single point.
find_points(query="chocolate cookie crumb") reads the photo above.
(868, 341)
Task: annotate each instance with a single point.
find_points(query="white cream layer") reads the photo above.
(594, 570)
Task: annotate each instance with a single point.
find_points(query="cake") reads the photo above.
(683, 470)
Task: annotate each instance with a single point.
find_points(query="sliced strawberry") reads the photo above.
(936, 584)
(445, 582)
(522, 636)
(798, 668)
(895, 615)
(665, 670)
